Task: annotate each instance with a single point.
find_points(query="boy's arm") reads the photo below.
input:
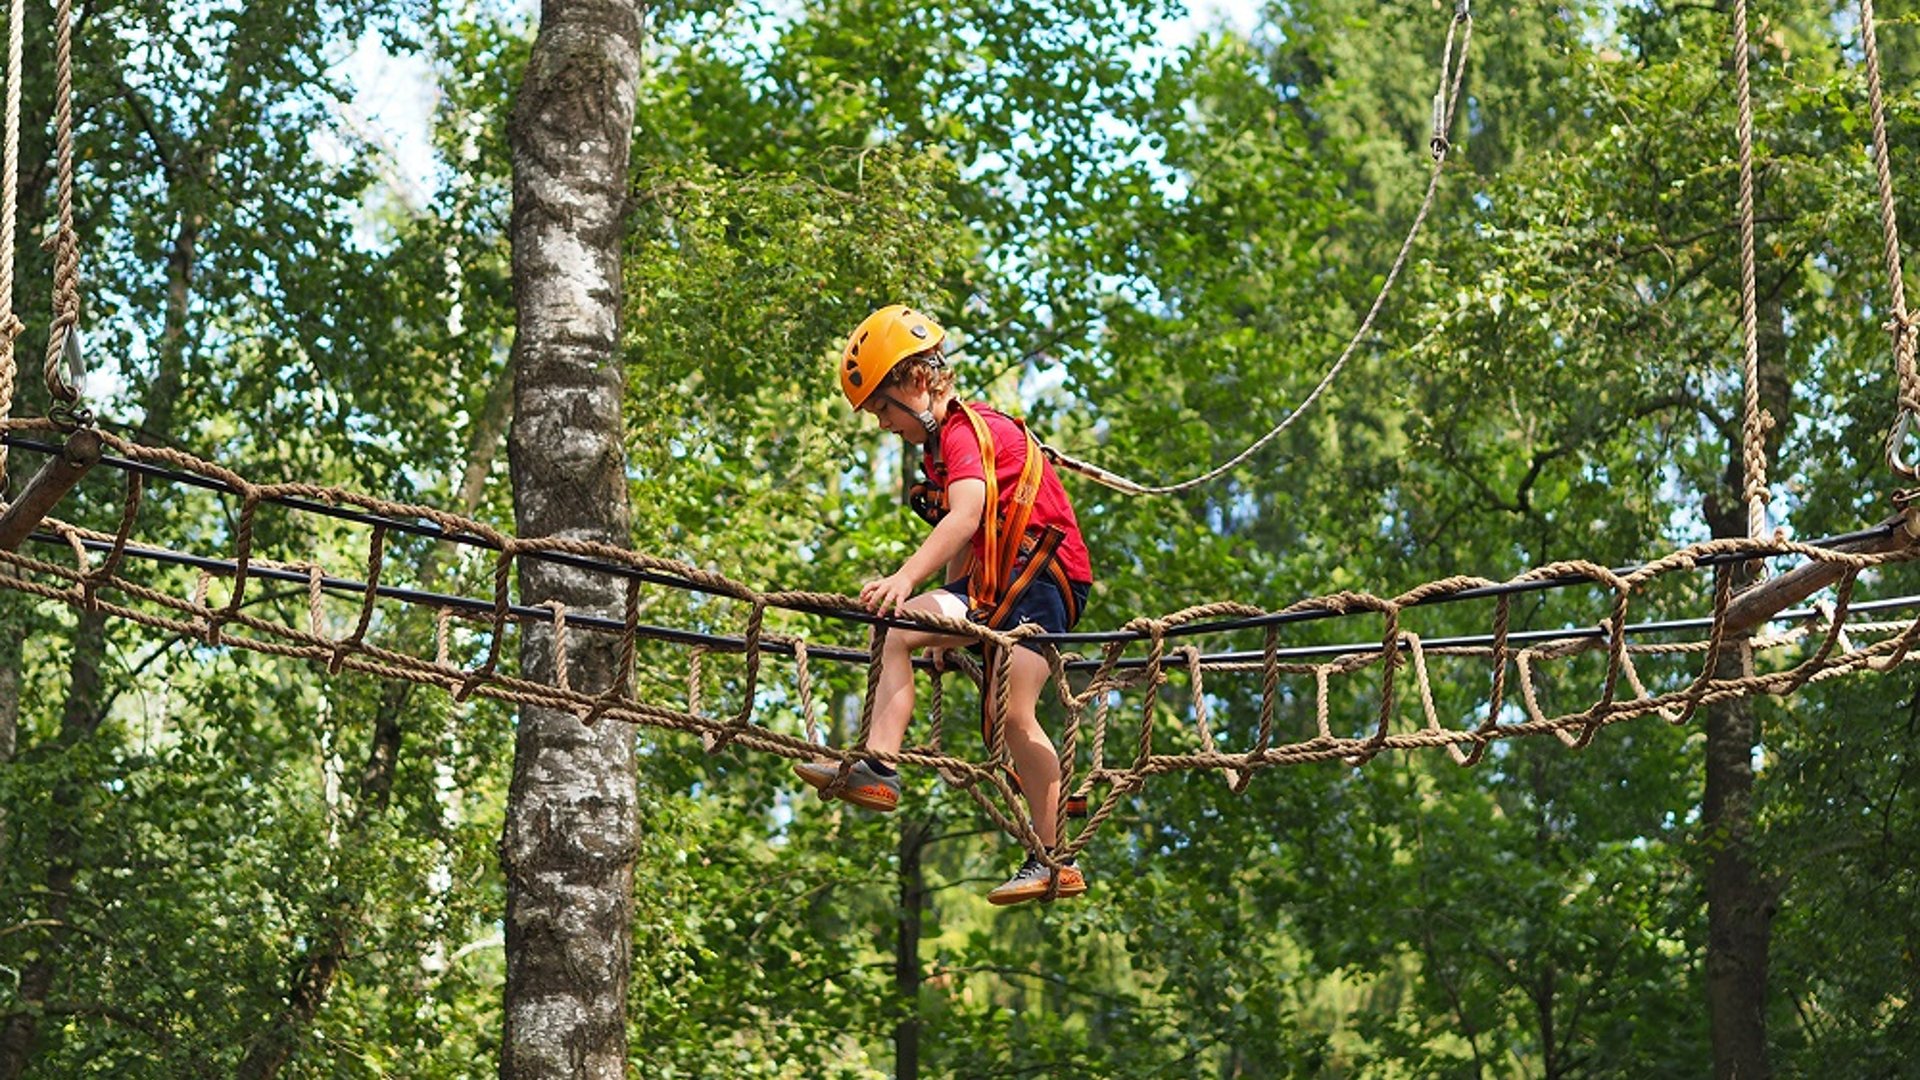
(966, 501)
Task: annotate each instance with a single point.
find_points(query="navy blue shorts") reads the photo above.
(1041, 603)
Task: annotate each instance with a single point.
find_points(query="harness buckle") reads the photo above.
(928, 502)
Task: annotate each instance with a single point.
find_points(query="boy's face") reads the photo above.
(897, 409)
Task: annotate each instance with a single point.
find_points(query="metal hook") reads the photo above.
(70, 416)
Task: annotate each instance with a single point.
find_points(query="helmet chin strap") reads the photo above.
(925, 416)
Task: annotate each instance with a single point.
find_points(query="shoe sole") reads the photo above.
(1068, 890)
(878, 799)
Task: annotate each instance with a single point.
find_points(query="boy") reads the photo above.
(1006, 536)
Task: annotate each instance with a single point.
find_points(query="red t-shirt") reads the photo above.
(960, 455)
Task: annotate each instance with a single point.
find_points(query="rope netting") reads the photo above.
(1292, 702)
(1278, 705)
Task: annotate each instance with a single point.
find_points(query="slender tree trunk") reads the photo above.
(12, 606)
(10, 658)
(269, 1050)
(81, 715)
(1740, 902)
(273, 1046)
(569, 843)
(1740, 899)
(78, 721)
(914, 834)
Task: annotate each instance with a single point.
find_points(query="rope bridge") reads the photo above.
(1104, 759)
(1103, 763)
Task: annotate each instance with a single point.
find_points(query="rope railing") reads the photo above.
(96, 570)
(346, 507)
(1143, 657)
(473, 609)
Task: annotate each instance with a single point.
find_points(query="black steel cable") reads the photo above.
(725, 643)
(1098, 637)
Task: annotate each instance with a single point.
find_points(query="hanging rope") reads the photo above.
(9, 209)
(1755, 422)
(63, 341)
(1445, 101)
(1901, 325)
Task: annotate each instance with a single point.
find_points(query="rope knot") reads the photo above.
(1146, 624)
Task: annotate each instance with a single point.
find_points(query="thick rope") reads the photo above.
(9, 211)
(1901, 325)
(1445, 103)
(64, 242)
(1756, 421)
(1625, 692)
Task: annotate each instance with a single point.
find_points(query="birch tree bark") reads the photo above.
(568, 847)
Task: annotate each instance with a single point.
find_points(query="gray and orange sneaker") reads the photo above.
(1031, 880)
(864, 787)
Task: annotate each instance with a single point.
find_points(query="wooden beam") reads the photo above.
(1762, 602)
(48, 487)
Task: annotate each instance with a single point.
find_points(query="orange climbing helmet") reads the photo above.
(879, 343)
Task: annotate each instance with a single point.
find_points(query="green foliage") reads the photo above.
(1154, 252)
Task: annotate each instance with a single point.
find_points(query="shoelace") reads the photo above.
(1033, 867)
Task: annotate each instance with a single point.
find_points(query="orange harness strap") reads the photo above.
(994, 588)
(991, 588)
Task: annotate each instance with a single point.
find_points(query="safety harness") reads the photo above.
(1016, 551)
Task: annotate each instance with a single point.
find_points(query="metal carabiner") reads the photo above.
(1896, 440)
(76, 363)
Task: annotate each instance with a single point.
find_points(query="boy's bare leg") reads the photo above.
(893, 697)
(1035, 760)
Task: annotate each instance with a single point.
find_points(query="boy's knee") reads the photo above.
(1024, 724)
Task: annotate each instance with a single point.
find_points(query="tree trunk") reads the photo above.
(569, 842)
(82, 713)
(914, 835)
(1740, 902)
(269, 1050)
(1740, 899)
(78, 720)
